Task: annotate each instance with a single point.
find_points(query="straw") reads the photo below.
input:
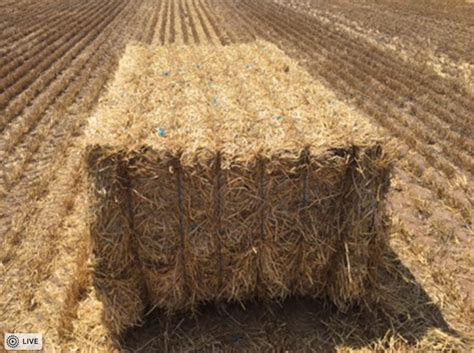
(236, 176)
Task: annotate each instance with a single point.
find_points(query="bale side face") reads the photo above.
(116, 275)
(272, 228)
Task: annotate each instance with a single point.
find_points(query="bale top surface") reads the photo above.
(240, 100)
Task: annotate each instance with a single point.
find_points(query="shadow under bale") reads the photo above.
(404, 311)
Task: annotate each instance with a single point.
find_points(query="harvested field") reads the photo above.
(404, 68)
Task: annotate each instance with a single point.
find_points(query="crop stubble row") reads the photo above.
(33, 22)
(82, 67)
(246, 25)
(59, 207)
(438, 121)
(44, 125)
(34, 137)
(414, 23)
(63, 178)
(27, 46)
(30, 121)
(39, 140)
(22, 78)
(349, 80)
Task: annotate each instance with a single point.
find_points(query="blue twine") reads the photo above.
(161, 132)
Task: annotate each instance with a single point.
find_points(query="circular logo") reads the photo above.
(13, 341)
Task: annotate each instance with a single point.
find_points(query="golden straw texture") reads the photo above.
(229, 173)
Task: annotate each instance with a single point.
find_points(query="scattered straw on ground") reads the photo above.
(422, 309)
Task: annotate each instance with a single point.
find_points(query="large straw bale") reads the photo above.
(229, 173)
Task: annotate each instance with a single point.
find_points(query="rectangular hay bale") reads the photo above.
(229, 173)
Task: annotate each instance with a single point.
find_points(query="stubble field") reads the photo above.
(407, 68)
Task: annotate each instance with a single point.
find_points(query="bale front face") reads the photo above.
(239, 194)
